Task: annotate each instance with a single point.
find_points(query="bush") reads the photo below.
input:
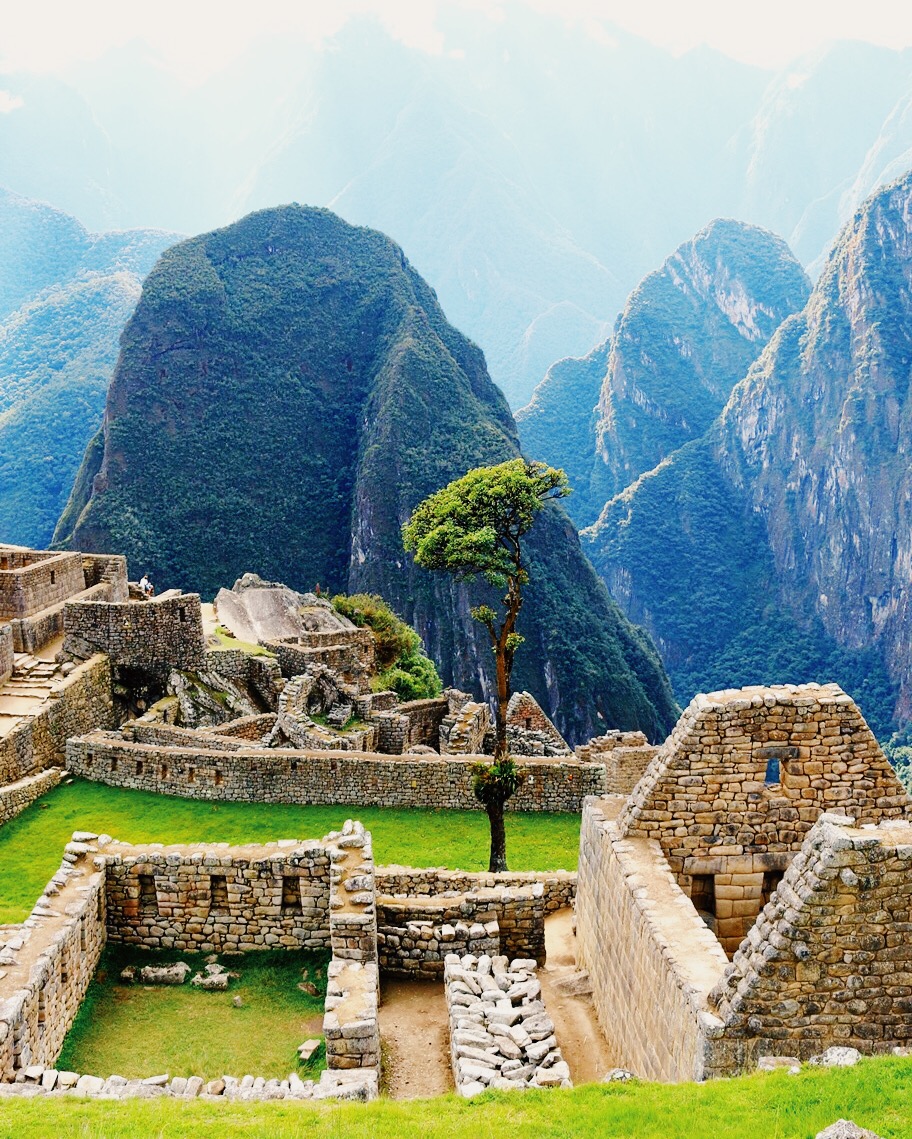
(402, 662)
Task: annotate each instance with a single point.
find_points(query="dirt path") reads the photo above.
(578, 1033)
(413, 1028)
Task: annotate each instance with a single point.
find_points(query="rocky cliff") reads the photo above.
(287, 391)
(781, 540)
(686, 336)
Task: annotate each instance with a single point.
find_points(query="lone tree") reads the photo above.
(474, 526)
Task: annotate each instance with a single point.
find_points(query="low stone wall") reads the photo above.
(558, 886)
(650, 958)
(410, 724)
(15, 797)
(412, 944)
(46, 964)
(83, 702)
(166, 632)
(351, 1023)
(286, 776)
(348, 652)
(162, 734)
(256, 671)
(6, 653)
(517, 912)
(501, 1036)
(250, 728)
(218, 899)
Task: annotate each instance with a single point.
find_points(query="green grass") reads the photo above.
(226, 643)
(31, 845)
(187, 1032)
(876, 1094)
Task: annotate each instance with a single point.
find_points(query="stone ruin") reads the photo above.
(742, 893)
(752, 895)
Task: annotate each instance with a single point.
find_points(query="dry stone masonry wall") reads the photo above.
(501, 1036)
(165, 632)
(15, 797)
(46, 964)
(735, 789)
(558, 886)
(293, 776)
(626, 755)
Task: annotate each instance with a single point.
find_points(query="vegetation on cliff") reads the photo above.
(288, 390)
(777, 548)
(65, 296)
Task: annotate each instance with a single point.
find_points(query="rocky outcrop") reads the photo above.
(288, 391)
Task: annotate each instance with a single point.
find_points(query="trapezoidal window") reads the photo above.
(148, 895)
(218, 894)
(703, 896)
(771, 879)
(291, 894)
(773, 774)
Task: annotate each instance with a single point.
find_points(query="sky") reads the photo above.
(47, 36)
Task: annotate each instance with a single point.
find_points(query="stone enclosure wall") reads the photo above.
(32, 580)
(83, 701)
(163, 633)
(15, 797)
(287, 776)
(47, 964)
(6, 653)
(416, 933)
(626, 755)
(558, 886)
(651, 960)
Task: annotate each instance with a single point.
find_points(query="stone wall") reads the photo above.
(829, 962)
(108, 569)
(463, 730)
(6, 653)
(416, 932)
(351, 1023)
(558, 886)
(47, 964)
(286, 776)
(217, 898)
(741, 780)
(349, 652)
(164, 633)
(36, 579)
(415, 946)
(650, 958)
(416, 722)
(15, 797)
(626, 755)
(529, 731)
(83, 701)
(259, 673)
(32, 633)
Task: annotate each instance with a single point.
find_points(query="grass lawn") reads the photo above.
(138, 1030)
(875, 1094)
(31, 845)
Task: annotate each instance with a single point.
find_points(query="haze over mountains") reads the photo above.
(775, 544)
(534, 173)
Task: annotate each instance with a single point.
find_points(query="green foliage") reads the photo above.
(699, 570)
(31, 845)
(475, 523)
(495, 783)
(188, 1032)
(404, 665)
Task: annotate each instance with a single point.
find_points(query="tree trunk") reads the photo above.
(498, 861)
(503, 699)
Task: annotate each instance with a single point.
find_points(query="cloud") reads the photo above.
(10, 102)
